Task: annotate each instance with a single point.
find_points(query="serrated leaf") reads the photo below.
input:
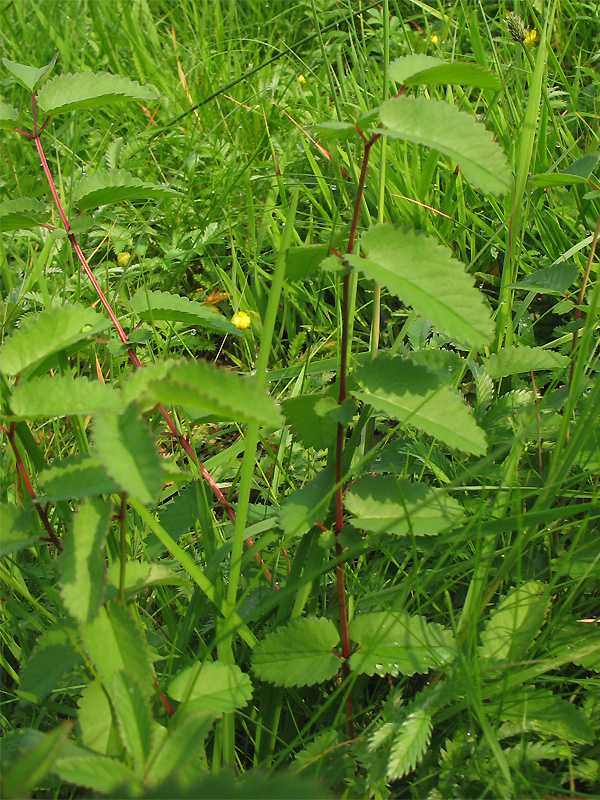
(301, 262)
(181, 746)
(82, 560)
(99, 773)
(437, 125)
(8, 118)
(213, 390)
(424, 275)
(310, 428)
(114, 186)
(86, 90)
(578, 641)
(212, 686)
(299, 654)
(47, 333)
(23, 212)
(554, 279)
(95, 721)
(422, 70)
(16, 529)
(540, 710)
(167, 306)
(410, 393)
(385, 504)
(32, 767)
(53, 656)
(515, 622)
(522, 358)
(62, 395)
(125, 446)
(114, 642)
(397, 644)
(305, 506)
(133, 716)
(31, 78)
(76, 477)
(409, 744)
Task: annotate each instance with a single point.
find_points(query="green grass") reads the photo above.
(234, 133)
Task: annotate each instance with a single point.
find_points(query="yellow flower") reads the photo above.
(435, 38)
(301, 80)
(530, 36)
(241, 320)
(123, 259)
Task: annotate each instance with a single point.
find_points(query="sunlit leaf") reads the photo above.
(76, 477)
(212, 686)
(515, 622)
(88, 89)
(31, 78)
(419, 69)
(521, 358)
(113, 186)
(9, 117)
(153, 305)
(23, 212)
(99, 773)
(409, 744)
(62, 395)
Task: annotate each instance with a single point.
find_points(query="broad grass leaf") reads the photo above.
(52, 658)
(181, 745)
(554, 279)
(82, 565)
(48, 333)
(522, 358)
(62, 395)
(410, 744)
(398, 644)
(213, 686)
(207, 389)
(154, 305)
(32, 767)
(299, 654)
(435, 124)
(541, 710)
(515, 622)
(99, 773)
(412, 394)
(114, 642)
(16, 529)
(312, 429)
(95, 721)
(23, 212)
(300, 511)
(114, 186)
(133, 715)
(425, 276)
(125, 446)
(385, 504)
(71, 91)
(419, 69)
(31, 78)
(76, 477)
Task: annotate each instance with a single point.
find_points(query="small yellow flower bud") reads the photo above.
(301, 80)
(435, 38)
(123, 259)
(241, 320)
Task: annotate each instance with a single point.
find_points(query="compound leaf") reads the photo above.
(437, 125)
(151, 305)
(215, 687)
(62, 395)
(113, 186)
(299, 654)
(409, 744)
(88, 89)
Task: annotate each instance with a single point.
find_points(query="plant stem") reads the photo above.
(122, 546)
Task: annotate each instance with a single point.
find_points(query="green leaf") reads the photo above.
(215, 687)
(141, 575)
(87, 90)
(30, 770)
(53, 656)
(74, 478)
(31, 78)
(212, 390)
(540, 710)
(62, 395)
(335, 129)
(577, 172)
(16, 529)
(133, 716)
(174, 308)
(9, 117)
(409, 744)
(410, 393)
(301, 262)
(48, 333)
(521, 358)
(24, 212)
(385, 504)
(305, 506)
(125, 446)
(114, 642)
(95, 721)
(99, 773)
(399, 644)
(181, 746)
(114, 186)
(424, 275)
(422, 70)
(578, 641)
(82, 561)
(437, 125)
(554, 279)
(253, 784)
(515, 622)
(299, 654)
(312, 429)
